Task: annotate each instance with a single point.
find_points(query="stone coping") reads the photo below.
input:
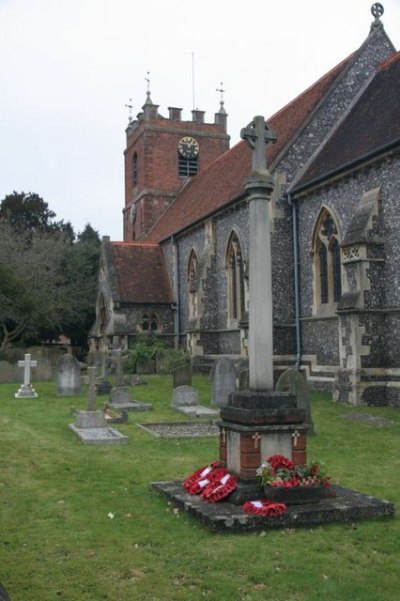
(181, 429)
(347, 507)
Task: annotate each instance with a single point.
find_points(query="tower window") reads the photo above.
(135, 169)
(187, 167)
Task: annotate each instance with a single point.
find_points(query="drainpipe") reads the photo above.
(176, 305)
(293, 207)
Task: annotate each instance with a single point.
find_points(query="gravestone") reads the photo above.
(146, 367)
(120, 394)
(103, 386)
(91, 425)
(182, 376)
(184, 396)
(68, 376)
(7, 372)
(186, 400)
(295, 382)
(244, 379)
(26, 390)
(223, 381)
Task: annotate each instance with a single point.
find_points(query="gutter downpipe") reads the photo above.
(293, 207)
(176, 305)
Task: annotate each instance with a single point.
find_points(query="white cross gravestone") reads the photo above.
(26, 391)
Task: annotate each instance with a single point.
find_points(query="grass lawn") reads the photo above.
(57, 541)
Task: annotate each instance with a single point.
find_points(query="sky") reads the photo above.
(70, 67)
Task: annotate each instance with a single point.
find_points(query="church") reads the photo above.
(181, 272)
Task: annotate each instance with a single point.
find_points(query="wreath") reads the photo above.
(264, 507)
(212, 482)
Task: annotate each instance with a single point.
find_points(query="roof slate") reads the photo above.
(222, 182)
(141, 273)
(371, 125)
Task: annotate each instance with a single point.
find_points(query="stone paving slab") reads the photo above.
(131, 406)
(347, 507)
(197, 411)
(181, 429)
(99, 436)
(372, 420)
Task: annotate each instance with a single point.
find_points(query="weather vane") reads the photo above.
(147, 80)
(221, 91)
(130, 107)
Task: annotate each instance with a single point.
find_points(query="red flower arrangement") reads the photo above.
(264, 507)
(211, 482)
(279, 471)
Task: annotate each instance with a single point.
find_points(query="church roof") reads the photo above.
(141, 273)
(222, 182)
(371, 127)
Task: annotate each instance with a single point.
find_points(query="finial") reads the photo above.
(377, 11)
(221, 102)
(147, 80)
(130, 107)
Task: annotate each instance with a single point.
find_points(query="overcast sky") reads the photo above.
(69, 67)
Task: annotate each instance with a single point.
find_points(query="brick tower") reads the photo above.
(161, 155)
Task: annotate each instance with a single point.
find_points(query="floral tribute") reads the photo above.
(264, 507)
(212, 482)
(278, 470)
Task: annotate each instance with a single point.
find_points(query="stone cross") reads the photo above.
(257, 135)
(259, 187)
(91, 399)
(27, 364)
(256, 437)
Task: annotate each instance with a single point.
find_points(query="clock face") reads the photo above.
(188, 147)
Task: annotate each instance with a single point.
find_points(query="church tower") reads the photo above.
(161, 155)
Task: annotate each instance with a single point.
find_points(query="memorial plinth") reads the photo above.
(253, 426)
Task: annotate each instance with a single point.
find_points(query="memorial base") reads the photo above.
(26, 392)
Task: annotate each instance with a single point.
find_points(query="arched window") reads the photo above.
(193, 285)
(327, 264)
(135, 169)
(149, 322)
(235, 272)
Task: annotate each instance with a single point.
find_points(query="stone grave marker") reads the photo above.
(91, 425)
(103, 386)
(223, 381)
(7, 372)
(182, 376)
(26, 390)
(295, 382)
(186, 400)
(68, 376)
(244, 379)
(120, 394)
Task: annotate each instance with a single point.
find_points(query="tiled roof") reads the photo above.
(371, 125)
(141, 273)
(222, 182)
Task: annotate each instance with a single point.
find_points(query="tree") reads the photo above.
(29, 212)
(47, 283)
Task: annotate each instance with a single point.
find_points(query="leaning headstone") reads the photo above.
(182, 376)
(68, 376)
(91, 425)
(7, 372)
(294, 382)
(223, 381)
(26, 390)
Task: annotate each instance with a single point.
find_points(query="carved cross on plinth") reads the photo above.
(259, 187)
(295, 436)
(256, 437)
(27, 364)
